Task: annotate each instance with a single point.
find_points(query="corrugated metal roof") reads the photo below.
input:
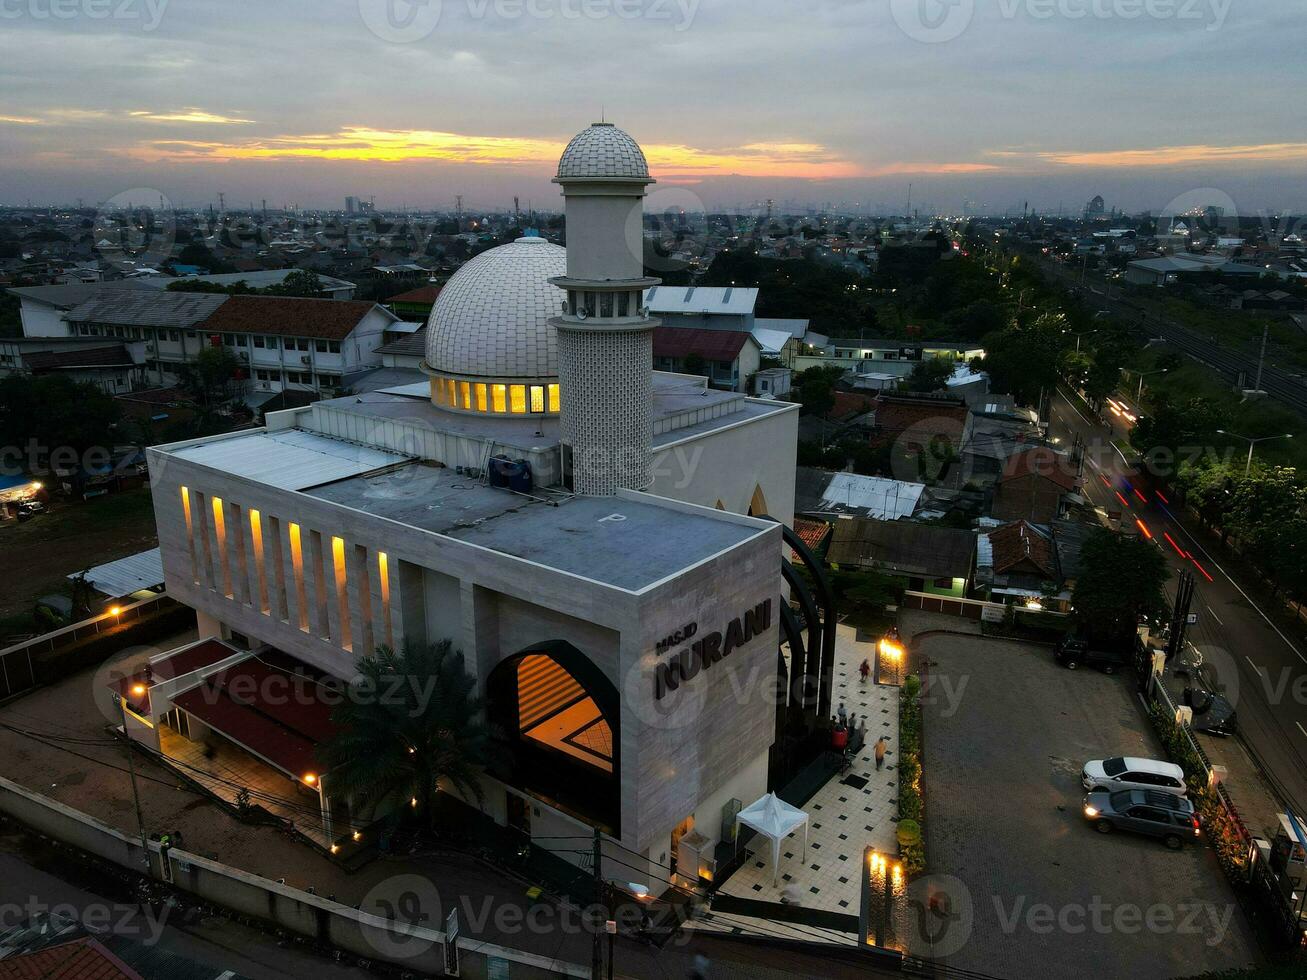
(872, 496)
(291, 459)
(702, 299)
(147, 308)
(127, 575)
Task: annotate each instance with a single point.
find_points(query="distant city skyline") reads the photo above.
(848, 102)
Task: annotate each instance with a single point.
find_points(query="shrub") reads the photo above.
(912, 851)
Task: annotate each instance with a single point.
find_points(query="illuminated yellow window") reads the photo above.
(499, 397)
(517, 398)
(297, 569)
(342, 590)
(451, 386)
(481, 397)
(465, 391)
(537, 398)
(553, 398)
(438, 391)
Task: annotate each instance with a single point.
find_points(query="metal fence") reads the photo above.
(17, 662)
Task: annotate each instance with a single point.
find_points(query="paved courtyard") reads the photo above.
(843, 819)
(1030, 887)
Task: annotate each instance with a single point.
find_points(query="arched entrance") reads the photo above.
(557, 718)
(758, 505)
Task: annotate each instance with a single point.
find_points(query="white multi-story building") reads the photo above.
(588, 532)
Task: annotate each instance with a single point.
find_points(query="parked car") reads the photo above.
(1142, 774)
(1163, 815)
(1073, 650)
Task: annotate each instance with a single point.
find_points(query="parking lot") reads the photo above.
(1029, 888)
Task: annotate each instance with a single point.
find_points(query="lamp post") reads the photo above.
(1145, 374)
(890, 648)
(1252, 444)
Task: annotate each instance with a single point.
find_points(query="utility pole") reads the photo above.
(596, 948)
(1261, 361)
(136, 797)
(1184, 597)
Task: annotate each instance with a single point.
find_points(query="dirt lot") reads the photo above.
(38, 554)
(1033, 888)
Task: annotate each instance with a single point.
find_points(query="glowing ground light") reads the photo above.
(1144, 528)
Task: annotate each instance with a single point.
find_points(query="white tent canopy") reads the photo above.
(774, 818)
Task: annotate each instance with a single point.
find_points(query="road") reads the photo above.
(1231, 363)
(33, 878)
(1235, 633)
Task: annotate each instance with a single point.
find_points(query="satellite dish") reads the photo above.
(581, 314)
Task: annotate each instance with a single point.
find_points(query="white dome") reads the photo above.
(603, 150)
(492, 318)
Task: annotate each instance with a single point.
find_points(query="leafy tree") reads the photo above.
(1024, 361)
(209, 374)
(1122, 580)
(1210, 490)
(301, 282)
(930, 375)
(817, 388)
(53, 411)
(410, 721)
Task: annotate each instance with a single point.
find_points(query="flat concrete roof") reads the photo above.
(672, 395)
(630, 544)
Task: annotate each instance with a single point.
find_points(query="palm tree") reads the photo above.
(410, 721)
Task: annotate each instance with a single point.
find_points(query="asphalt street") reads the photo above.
(1260, 660)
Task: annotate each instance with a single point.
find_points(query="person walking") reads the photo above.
(865, 670)
(843, 715)
(881, 746)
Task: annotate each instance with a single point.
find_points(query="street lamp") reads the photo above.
(1142, 375)
(1252, 444)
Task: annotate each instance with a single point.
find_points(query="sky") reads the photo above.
(1154, 104)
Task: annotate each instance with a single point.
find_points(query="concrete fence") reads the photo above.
(329, 923)
(967, 608)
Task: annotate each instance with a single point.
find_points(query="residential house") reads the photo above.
(1017, 564)
(927, 558)
(1034, 485)
(113, 368)
(725, 357)
(415, 304)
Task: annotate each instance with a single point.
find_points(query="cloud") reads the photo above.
(20, 120)
(189, 116)
(1179, 156)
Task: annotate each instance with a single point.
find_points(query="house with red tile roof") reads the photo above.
(1034, 485)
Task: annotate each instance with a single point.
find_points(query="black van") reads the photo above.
(1074, 651)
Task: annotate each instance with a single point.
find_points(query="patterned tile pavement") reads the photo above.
(842, 819)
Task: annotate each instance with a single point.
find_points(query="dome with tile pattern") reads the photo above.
(492, 318)
(603, 150)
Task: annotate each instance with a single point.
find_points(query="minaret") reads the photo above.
(605, 337)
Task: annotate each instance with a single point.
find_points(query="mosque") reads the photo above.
(606, 544)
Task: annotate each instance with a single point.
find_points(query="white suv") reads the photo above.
(1144, 774)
